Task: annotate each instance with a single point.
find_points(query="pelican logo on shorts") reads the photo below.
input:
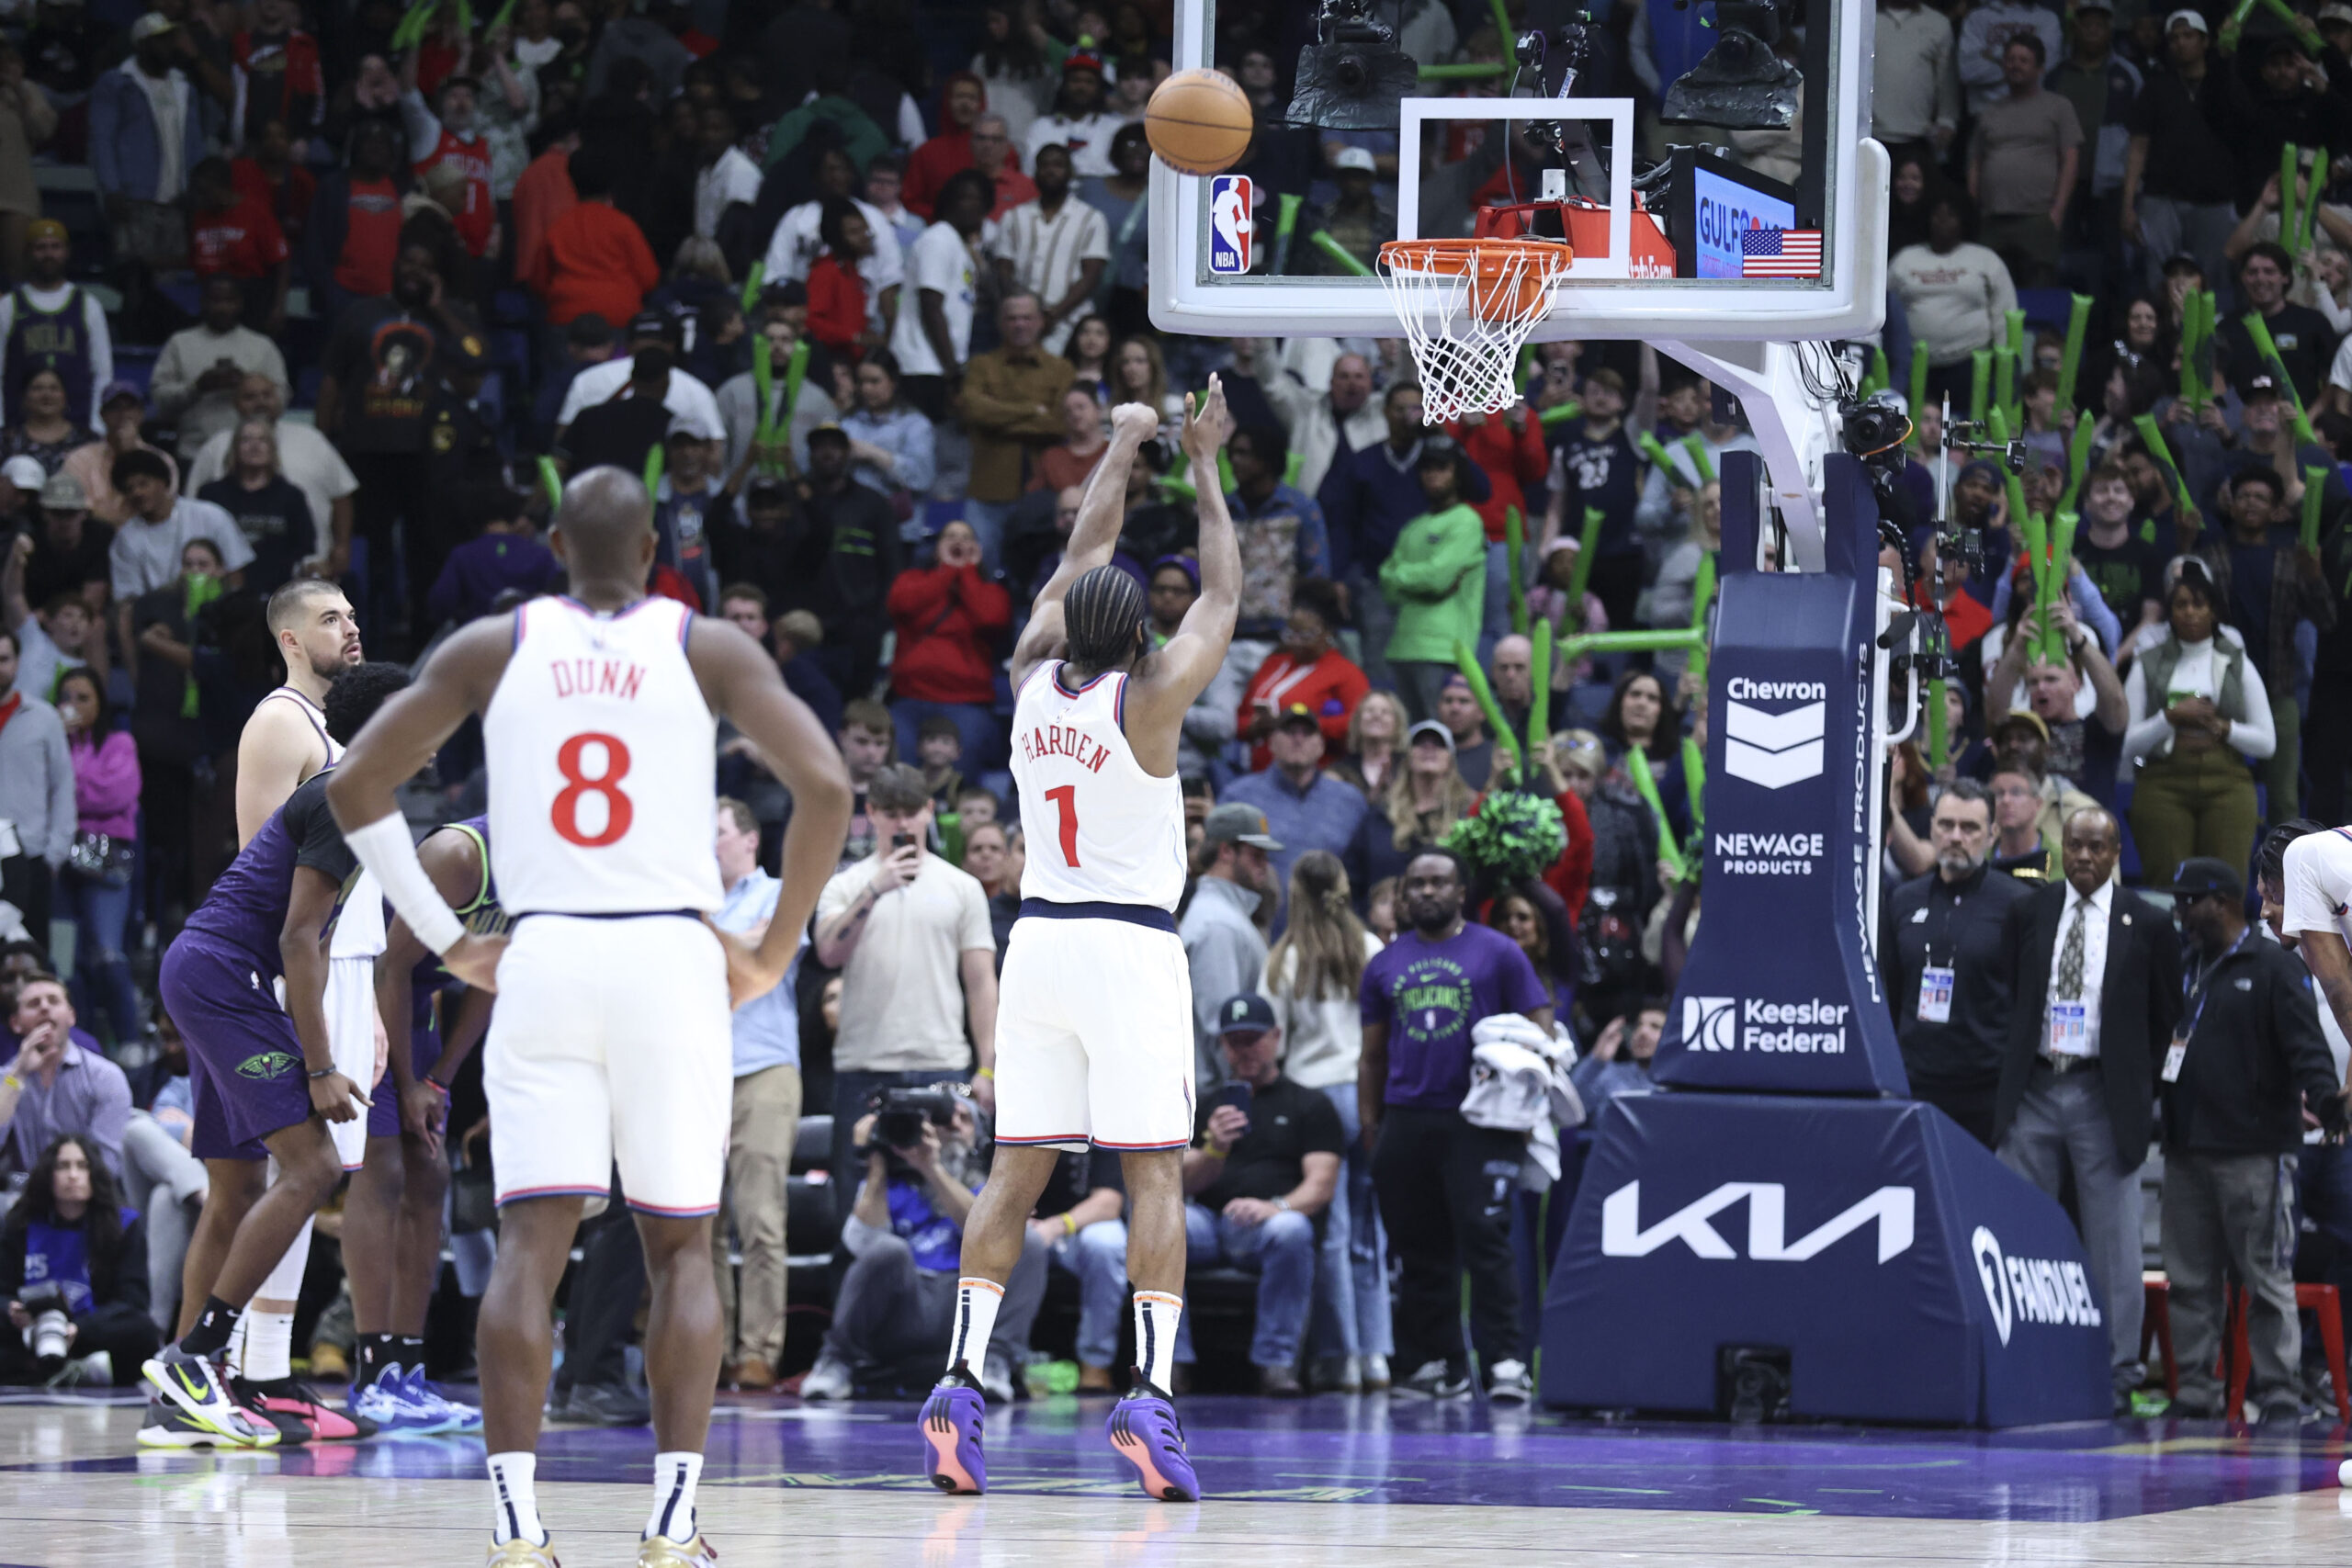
(1775, 749)
(1230, 229)
(266, 1065)
(1709, 1023)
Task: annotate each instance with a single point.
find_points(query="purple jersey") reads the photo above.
(246, 909)
(1431, 994)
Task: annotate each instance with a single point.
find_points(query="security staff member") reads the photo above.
(2246, 1062)
(1948, 985)
(2097, 978)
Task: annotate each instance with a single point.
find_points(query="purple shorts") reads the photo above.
(384, 1099)
(244, 1057)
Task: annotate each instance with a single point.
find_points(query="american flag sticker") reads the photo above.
(1780, 253)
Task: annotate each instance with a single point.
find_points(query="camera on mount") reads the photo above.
(1740, 85)
(1874, 431)
(1354, 76)
(51, 1336)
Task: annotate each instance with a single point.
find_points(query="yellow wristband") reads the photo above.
(12, 1081)
(1213, 1151)
(985, 1073)
(1069, 1227)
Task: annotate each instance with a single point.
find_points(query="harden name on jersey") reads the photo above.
(1045, 741)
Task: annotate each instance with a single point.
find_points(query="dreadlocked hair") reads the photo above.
(1321, 954)
(1101, 615)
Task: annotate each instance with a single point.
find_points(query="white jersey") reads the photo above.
(2318, 877)
(1100, 829)
(602, 758)
(360, 926)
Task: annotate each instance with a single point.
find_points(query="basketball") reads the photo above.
(1198, 121)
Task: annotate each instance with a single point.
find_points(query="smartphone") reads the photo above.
(902, 841)
(1235, 1094)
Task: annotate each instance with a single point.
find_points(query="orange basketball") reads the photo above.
(1198, 121)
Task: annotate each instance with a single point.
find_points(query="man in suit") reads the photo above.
(2097, 976)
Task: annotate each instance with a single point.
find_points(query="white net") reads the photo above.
(1468, 308)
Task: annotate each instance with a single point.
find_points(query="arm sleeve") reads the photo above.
(111, 1114)
(2144, 731)
(917, 451)
(1314, 542)
(173, 383)
(423, 128)
(94, 322)
(2256, 735)
(64, 816)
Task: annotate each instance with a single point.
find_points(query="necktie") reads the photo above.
(2070, 956)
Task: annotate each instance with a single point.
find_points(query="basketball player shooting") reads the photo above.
(1094, 1012)
(612, 1042)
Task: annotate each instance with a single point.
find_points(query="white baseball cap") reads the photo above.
(25, 473)
(2194, 18)
(1355, 158)
(2337, 12)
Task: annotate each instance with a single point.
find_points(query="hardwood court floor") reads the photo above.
(1351, 1484)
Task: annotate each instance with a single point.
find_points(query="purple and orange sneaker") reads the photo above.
(1144, 1431)
(951, 1433)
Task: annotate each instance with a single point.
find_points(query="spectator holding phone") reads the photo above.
(1264, 1162)
(910, 933)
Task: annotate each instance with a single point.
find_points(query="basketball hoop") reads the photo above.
(1468, 307)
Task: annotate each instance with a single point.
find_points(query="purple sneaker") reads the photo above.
(1144, 1431)
(951, 1434)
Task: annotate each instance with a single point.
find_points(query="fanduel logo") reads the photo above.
(2031, 1290)
(1807, 1028)
(1622, 1235)
(1775, 749)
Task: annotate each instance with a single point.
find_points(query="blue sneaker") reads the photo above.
(1143, 1431)
(387, 1404)
(951, 1424)
(447, 1414)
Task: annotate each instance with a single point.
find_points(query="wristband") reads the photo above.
(436, 1083)
(1069, 1227)
(385, 848)
(12, 1081)
(322, 1073)
(1213, 1151)
(984, 1073)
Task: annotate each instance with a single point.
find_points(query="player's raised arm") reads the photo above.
(745, 687)
(402, 736)
(1094, 539)
(1182, 669)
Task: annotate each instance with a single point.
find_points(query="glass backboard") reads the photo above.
(1771, 227)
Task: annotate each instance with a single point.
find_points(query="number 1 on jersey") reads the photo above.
(1065, 801)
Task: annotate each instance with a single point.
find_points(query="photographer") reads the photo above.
(73, 1266)
(905, 1237)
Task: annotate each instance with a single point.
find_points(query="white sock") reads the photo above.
(674, 1497)
(518, 1504)
(263, 1345)
(975, 1303)
(1156, 1316)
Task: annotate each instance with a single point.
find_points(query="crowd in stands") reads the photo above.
(299, 290)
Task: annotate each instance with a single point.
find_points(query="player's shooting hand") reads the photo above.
(337, 1099)
(1227, 1126)
(1209, 423)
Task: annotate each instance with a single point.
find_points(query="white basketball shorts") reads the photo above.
(1094, 1036)
(350, 1003)
(612, 1040)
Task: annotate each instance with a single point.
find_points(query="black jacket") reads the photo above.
(1958, 925)
(2256, 1058)
(2139, 1003)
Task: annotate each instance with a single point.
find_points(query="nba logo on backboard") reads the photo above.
(1230, 229)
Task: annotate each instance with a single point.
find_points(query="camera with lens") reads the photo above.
(1740, 85)
(899, 1115)
(1354, 76)
(52, 1334)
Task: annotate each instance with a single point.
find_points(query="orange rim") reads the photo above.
(1510, 279)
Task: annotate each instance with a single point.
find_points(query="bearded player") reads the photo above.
(1095, 1016)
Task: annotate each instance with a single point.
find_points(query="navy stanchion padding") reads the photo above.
(1908, 1274)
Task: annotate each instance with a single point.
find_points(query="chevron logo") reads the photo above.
(1775, 750)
